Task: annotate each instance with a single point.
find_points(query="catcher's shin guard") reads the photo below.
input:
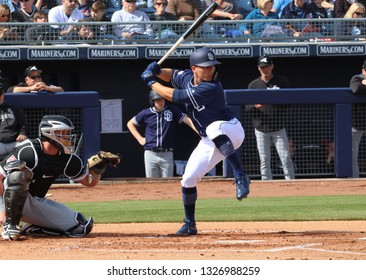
(15, 195)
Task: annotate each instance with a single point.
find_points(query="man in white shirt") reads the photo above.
(133, 29)
(67, 12)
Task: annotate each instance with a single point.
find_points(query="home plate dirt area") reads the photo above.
(310, 240)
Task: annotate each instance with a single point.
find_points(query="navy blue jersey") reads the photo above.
(160, 126)
(46, 168)
(205, 103)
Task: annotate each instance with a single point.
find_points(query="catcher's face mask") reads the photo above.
(66, 139)
(57, 130)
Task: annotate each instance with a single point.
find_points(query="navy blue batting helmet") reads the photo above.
(203, 57)
(153, 95)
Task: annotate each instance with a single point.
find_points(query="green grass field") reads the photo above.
(307, 208)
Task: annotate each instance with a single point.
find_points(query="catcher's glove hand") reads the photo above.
(99, 162)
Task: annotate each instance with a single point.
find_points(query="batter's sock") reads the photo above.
(235, 164)
(189, 196)
(226, 148)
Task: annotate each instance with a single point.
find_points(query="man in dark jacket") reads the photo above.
(12, 125)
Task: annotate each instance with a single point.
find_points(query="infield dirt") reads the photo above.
(324, 240)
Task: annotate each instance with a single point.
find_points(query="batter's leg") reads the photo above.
(203, 158)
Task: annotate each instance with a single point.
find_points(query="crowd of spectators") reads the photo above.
(65, 13)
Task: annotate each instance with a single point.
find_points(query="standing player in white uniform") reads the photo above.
(222, 134)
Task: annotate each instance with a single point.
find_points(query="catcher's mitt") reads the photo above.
(99, 162)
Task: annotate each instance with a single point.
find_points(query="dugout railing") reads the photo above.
(82, 108)
(316, 118)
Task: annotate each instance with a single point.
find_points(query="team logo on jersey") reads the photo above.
(168, 115)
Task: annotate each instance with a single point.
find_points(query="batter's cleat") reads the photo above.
(10, 232)
(187, 229)
(242, 186)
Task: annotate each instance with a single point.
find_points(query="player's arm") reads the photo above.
(164, 91)
(188, 121)
(152, 71)
(54, 88)
(166, 74)
(90, 180)
(135, 133)
(20, 89)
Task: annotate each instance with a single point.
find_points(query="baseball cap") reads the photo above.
(364, 65)
(264, 61)
(30, 69)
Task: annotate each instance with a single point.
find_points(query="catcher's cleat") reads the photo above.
(29, 229)
(242, 186)
(187, 229)
(10, 232)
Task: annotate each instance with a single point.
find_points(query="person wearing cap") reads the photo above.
(222, 134)
(134, 29)
(13, 128)
(268, 122)
(160, 121)
(33, 83)
(358, 87)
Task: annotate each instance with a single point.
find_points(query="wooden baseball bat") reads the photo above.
(198, 22)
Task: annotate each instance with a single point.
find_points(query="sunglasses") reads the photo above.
(160, 4)
(130, 1)
(24, 1)
(359, 14)
(35, 77)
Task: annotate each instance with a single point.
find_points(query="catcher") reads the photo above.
(27, 173)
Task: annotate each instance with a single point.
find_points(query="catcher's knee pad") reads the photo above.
(18, 179)
(84, 226)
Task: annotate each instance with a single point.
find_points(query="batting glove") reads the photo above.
(155, 68)
(148, 77)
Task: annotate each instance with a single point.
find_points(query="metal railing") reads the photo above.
(212, 31)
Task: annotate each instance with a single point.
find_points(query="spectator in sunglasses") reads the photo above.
(342, 6)
(7, 33)
(33, 83)
(164, 31)
(353, 28)
(134, 29)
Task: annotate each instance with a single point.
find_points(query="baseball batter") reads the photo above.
(27, 173)
(222, 134)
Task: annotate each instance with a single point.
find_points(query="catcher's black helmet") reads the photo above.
(203, 57)
(57, 130)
